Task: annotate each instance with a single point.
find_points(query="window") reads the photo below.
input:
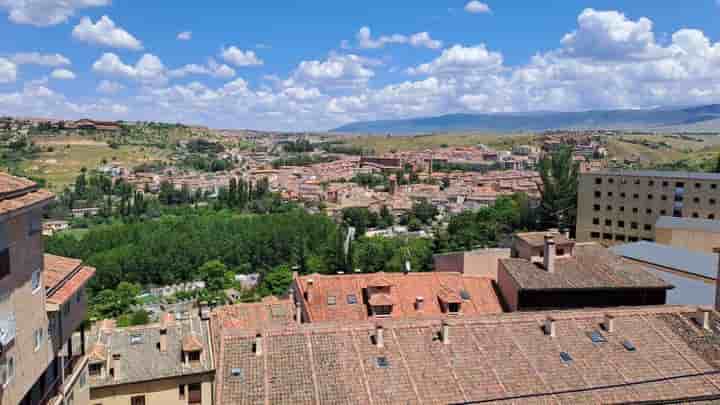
(598, 194)
(651, 183)
(607, 236)
(623, 195)
(648, 211)
(695, 215)
(610, 194)
(665, 184)
(194, 393)
(677, 213)
(7, 370)
(713, 201)
(194, 356)
(711, 216)
(633, 225)
(636, 196)
(679, 198)
(351, 299)
(596, 207)
(598, 181)
(595, 235)
(620, 238)
(95, 369)
(35, 281)
(611, 180)
(38, 335)
(596, 221)
(635, 210)
(648, 227)
(137, 400)
(621, 224)
(633, 239)
(663, 197)
(650, 196)
(696, 200)
(454, 308)
(713, 186)
(4, 263)
(609, 207)
(698, 185)
(622, 208)
(382, 310)
(181, 392)
(608, 222)
(680, 184)
(331, 300)
(663, 212)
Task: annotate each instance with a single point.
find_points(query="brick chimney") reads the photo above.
(549, 328)
(163, 339)
(419, 301)
(609, 324)
(308, 289)
(702, 318)
(298, 313)
(445, 333)
(258, 345)
(549, 254)
(379, 338)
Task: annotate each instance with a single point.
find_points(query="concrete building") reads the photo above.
(580, 276)
(42, 303)
(624, 206)
(480, 262)
(631, 355)
(169, 363)
(698, 235)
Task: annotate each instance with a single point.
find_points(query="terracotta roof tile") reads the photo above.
(63, 277)
(191, 343)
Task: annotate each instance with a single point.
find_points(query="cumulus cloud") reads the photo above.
(105, 33)
(476, 7)
(421, 39)
(36, 58)
(335, 71)
(460, 59)
(148, 70)
(240, 58)
(62, 74)
(44, 13)
(109, 87)
(8, 71)
(212, 68)
(184, 36)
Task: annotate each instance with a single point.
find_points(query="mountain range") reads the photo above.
(705, 118)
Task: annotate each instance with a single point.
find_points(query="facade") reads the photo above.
(359, 297)
(698, 235)
(170, 362)
(39, 307)
(569, 275)
(480, 262)
(624, 206)
(566, 357)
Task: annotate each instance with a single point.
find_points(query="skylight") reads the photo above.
(382, 362)
(629, 346)
(597, 337)
(565, 357)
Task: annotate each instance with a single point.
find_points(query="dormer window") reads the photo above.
(382, 310)
(454, 308)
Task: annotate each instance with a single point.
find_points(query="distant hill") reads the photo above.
(705, 118)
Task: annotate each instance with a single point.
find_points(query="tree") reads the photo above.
(277, 281)
(717, 165)
(559, 175)
(386, 219)
(213, 273)
(424, 211)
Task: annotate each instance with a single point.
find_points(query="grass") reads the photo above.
(62, 158)
(383, 144)
(680, 149)
(77, 233)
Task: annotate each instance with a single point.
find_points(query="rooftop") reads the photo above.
(657, 173)
(590, 267)
(63, 277)
(537, 239)
(18, 193)
(673, 258)
(653, 353)
(345, 297)
(134, 354)
(690, 224)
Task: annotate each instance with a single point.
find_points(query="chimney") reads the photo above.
(298, 313)
(609, 323)
(550, 327)
(163, 339)
(549, 254)
(258, 345)
(308, 289)
(419, 301)
(116, 369)
(379, 339)
(702, 318)
(445, 333)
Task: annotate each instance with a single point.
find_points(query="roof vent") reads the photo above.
(549, 327)
(465, 295)
(702, 319)
(136, 339)
(629, 346)
(566, 357)
(382, 362)
(236, 372)
(609, 324)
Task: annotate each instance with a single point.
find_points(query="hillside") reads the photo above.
(705, 118)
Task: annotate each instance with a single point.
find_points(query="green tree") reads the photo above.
(717, 165)
(424, 211)
(213, 273)
(559, 190)
(277, 281)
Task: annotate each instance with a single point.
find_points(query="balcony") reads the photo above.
(8, 330)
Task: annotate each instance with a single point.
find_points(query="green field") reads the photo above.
(383, 144)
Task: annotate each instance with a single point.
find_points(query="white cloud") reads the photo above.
(105, 33)
(241, 58)
(62, 74)
(459, 59)
(148, 70)
(212, 68)
(365, 40)
(44, 13)
(184, 36)
(477, 7)
(8, 71)
(335, 71)
(109, 87)
(35, 58)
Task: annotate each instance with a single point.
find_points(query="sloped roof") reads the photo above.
(64, 277)
(492, 358)
(591, 267)
(191, 343)
(699, 264)
(17, 193)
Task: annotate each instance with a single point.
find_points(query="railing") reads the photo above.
(59, 387)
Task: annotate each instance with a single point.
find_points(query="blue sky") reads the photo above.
(299, 65)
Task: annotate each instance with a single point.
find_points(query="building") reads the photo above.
(170, 362)
(699, 235)
(624, 206)
(566, 275)
(359, 297)
(41, 305)
(693, 274)
(567, 357)
(480, 262)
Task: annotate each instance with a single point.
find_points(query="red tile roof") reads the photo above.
(63, 277)
(491, 358)
(346, 297)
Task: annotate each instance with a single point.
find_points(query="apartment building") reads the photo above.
(42, 305)
(623, 206)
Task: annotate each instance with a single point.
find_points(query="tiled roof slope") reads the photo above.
(591, 266)
(135, 356)
(495, 358)
(405, 289)
(63, 277)
(18, 193)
